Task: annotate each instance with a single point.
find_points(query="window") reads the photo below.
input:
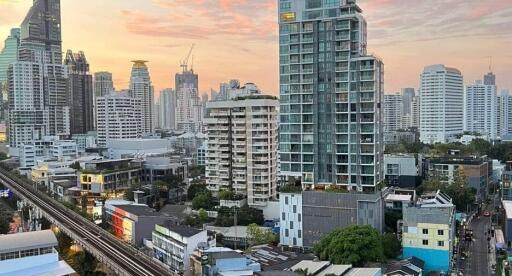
(299, 234)
(284, 216)
(286, 200)
(425, 242)
(291, 224)
(294, 241)
(294, 209)
(440, 232)
(299, 217)
(425, 231)
(286, 232)
(440, 243)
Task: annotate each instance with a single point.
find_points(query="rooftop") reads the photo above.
(183, 230)
(138, 210)
(27, 240)
(313, 267)
(507, 205)
(226, 255)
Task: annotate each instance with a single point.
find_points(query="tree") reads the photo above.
(391, 218)
(480, 146)
(203, 215)
(203, 200)
(462, 196)
(356, 245)
(245, 216)
(257, 235)
(197, 171)
(194, 189)
(4, 224)
(76, 166)
(391, 245)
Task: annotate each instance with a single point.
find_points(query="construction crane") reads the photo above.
(184, 62)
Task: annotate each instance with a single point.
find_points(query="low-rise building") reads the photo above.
(323, 268)
(132, 222)
(408, 267)
(57, 179)
(307, 216)
(507, 205)
(506, 181)
(401, 170)
(31, 253)
(402, 136)
(137, 147)
(174, 244)
(222, 261)
(429, 232)
(84, 141)
(477, 170)
(157, 168)
(234, 236)
(49, 148)
(108, 179)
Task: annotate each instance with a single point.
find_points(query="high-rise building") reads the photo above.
(38, 80)
(441, 104)
(103, 84)
(415, 112)
(80, 93)
(480, 109)
(331, 95)
(393, 106)
(141, 88)
(167, 111)
(489, 79)
(118, 116)
(408, 95)
(504, 116)
(9, 53)
(242, 147)
(189, 110)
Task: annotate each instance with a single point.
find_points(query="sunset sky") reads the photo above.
(238, 38)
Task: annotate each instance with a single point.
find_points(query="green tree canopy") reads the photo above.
(258, 236)
(194, 189)
(203, 200)
(356, 245)
(391, 245)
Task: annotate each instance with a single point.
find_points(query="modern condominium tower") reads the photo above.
(167, 112)
(393, 108)
(408, 95)
(480, 109)
(141, 88)
(189, 109)
(103, 84)
(38, 80)
(331, 96)
(8, 55)
(80, 93)
(504, 117)
(441, 104)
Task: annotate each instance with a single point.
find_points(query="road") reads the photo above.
(477, 263)
(123, 258)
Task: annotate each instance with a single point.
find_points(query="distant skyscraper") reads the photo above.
(480, 109)
(80, 93)
(504, 117)
(415, 113)
(9, 53)
(167, 112)
(407, 94)
(489, 79)
(189, 110)
(393, 106)
(38, 80)
(441, 104)
(103, 84)
(242, 147)
(118, 116)
(141, 88)
(331, 96)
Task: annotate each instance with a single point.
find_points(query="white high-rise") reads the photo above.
(141, 88)
(189, 108)
(441, 104)
(37, 81)
(480, 109)
(504, 117)
(242, 147)
(167, 109)
(393, 108)
(118, 116)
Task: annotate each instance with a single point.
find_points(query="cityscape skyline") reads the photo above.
(152, 35)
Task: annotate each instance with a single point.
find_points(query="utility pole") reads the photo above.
(235, 218)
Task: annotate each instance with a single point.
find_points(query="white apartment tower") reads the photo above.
(118, 117)
(393, 108)
(331, 94)
(141, 88)
(242, 147)
(167, 109)
(189, 108)
(37, 81)
(480, 109)
(441, 104)
(504, 116)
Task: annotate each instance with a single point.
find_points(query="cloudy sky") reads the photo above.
(238, 38)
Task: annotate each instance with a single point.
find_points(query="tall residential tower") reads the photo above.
(103, 84)
(331, 94)
(189, 109)
(141, 88)
(38, 80)
(80, 93)
(441, 104)
(480, 108)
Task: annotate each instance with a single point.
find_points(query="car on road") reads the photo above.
(487, 214)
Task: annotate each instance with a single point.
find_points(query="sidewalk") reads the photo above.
(492, 256)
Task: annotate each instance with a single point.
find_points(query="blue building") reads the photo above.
(429, 231)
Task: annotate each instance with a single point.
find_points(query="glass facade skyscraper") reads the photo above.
(9, 53)
(331, 93)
